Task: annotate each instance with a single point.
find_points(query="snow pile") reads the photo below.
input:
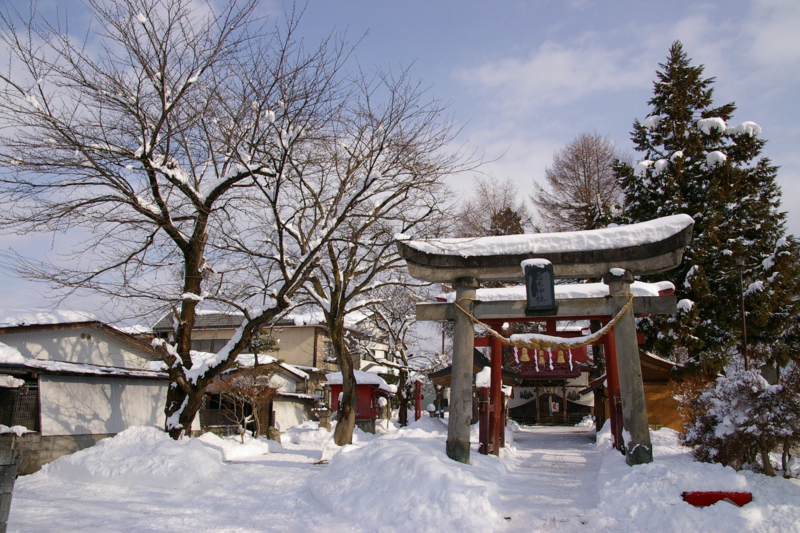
(708, 125)
(407, 485)
(140, 456)
(19, 430)
(748, 127)
(651, 122)
(233, 449)
(648, 497)
(307, 434)
(424, 428)
(10, 355)
(484, 377)
(715, 159)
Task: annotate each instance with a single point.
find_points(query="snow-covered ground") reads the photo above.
(547, 479)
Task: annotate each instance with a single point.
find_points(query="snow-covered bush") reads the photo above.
(740, 418)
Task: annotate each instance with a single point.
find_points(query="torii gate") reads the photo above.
(614, 254)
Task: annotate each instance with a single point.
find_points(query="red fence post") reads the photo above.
(417, 400)
(484, 435)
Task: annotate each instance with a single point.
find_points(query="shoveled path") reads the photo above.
(555, 470)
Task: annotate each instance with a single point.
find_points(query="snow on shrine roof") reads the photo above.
(15, 318)
(543, 243)
(566, 291)
(362, 378)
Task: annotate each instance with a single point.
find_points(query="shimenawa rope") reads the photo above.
(542, 344)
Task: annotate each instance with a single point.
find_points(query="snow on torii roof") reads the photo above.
(644, 248)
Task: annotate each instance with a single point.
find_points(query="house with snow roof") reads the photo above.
(67, 380)
(292, 405)
(301, 338)
(303, 346)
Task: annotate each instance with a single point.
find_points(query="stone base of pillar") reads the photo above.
(639, 455)
(458, 451)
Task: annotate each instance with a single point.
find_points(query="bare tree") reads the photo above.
(246, 393)
(493, 209)
(582, 192)
(395, 314)
(391, 155)
(205, 158)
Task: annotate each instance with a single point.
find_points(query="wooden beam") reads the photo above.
(568, 309)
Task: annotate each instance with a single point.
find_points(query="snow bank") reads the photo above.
(648, 497)
(233, 449)
(140, 456)
(407, 485)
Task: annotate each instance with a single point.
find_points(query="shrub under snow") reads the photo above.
(739, 419)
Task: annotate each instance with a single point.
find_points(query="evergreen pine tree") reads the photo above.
(698, 164)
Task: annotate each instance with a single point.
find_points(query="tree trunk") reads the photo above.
(765, 462)
(402, 397)
(347, 407)
(176, 396)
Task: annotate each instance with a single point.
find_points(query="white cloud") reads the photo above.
(558, 74)
(509, 155)
(774, 28)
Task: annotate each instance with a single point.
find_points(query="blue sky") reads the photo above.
(523, 78)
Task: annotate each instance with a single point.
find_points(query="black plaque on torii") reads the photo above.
(539, 286)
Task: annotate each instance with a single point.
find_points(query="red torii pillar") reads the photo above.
(496, 426)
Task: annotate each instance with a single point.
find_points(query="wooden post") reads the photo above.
(564, 401)
(457, 446)
(497, 392)
(538, 410)
(484, 425)
(612, 390)
(639, 450)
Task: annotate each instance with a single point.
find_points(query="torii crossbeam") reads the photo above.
(614, 254)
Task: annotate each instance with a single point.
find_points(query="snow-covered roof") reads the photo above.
(10, 357)
(362, 378)
(566, 291)
(298, 395)
(210, 319)
(569, 241)
(247, 360)
(137, 329)
(15, 318)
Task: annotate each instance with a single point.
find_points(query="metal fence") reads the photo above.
(20, 407)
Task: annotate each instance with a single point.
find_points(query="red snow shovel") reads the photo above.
(704, 499)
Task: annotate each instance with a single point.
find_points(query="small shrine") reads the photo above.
(369, 389)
